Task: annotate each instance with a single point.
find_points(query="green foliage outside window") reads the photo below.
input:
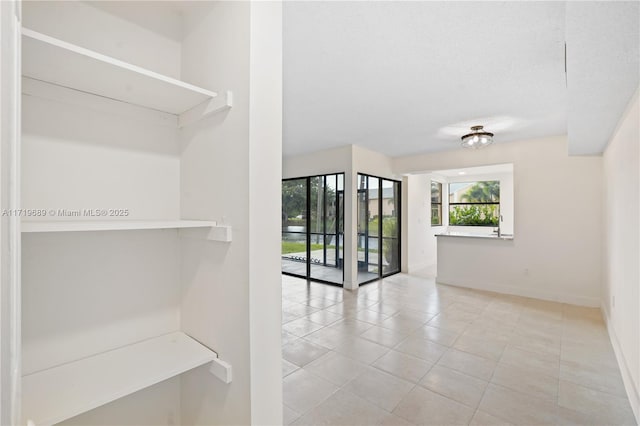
(474, 215)
(300, 247)
(390, 241)
(435, 215)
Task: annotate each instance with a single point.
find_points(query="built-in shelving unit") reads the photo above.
(56, 393)
(55, 61)
(113, 225)
(62, 392)
(104, 311)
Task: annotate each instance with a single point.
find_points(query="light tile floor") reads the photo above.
(405, 351)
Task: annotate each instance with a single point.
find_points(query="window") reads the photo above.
(474, 203)
(436, 203)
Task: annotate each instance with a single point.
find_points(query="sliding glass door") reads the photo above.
(313, 227)
(378, 227)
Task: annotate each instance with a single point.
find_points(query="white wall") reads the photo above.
(556, 253)
(350, 158)
(621, 289)
(230, 166)
(418, 234)
(215, 185)
(83, 24)
(88, 292)
(335, 160)
(137, 409)
(372, 163)
(87, 152)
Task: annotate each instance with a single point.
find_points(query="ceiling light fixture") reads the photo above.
(478, 138)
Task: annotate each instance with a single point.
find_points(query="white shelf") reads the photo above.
(113, 225)
(62, 392)
(55, 61)
(220, 233)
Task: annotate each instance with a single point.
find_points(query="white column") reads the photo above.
(265, 175)
(351, 227)
(9, 199)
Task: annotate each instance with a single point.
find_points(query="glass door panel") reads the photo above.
(318, 259)
(340, 221)
(390, 227)
(294, 227)
(362, 226)
(373, 225)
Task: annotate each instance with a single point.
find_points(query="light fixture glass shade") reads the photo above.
(478, 138)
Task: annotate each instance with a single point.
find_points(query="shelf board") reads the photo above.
(113, 225)
(55, 61)
(62, 392)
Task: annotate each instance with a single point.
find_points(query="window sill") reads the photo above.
(472, 235)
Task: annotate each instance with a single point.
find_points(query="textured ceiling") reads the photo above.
(603, 60)
(411, 77)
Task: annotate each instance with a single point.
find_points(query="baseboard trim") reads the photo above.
(591, 302)
(627, 378)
